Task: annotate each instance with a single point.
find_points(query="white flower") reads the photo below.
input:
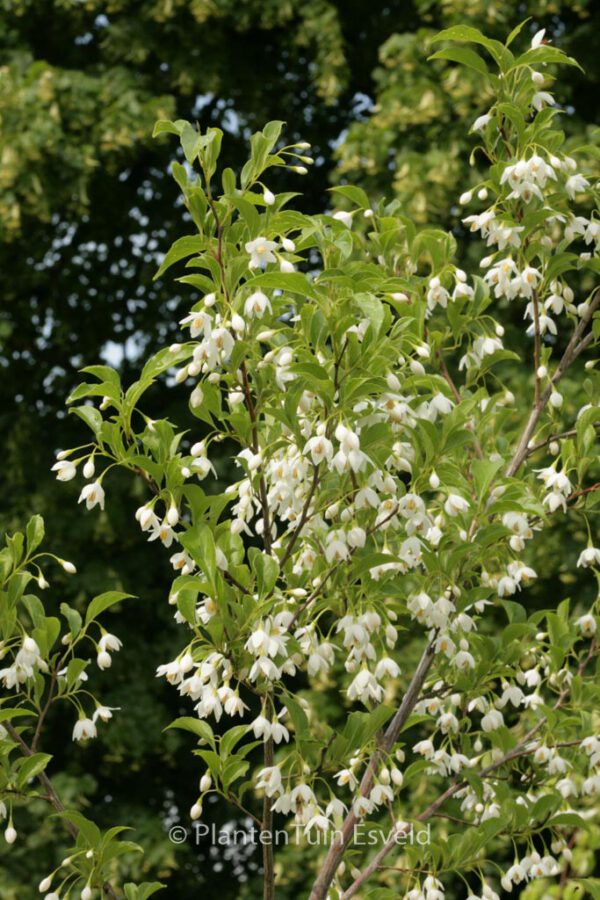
(344, 217)
(492, 720)
(110, 642)
(256, 305)
(587, 625)
(538, 39)
(93, 494)
(541, 99)
(575, 185)
(199, 322)
(455, 505)
(84, 730)
(320, 448)
(65, 470)
(261, 727)
(480, 123)
(104, 713)
(589, 557)
(261, 252)
(279, 732)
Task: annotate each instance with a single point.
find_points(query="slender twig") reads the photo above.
(559, 436)
(537, 348)
(457, 397)
(262, 485)
(575, 347)
(303, 517)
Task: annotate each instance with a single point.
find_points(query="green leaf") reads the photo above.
(74, 670)
(142, 891)
(468, 34)
(34, 533)
(32, 766)
(88, 830)
(103, 602)
(200, 543)
(231, 738)
(517, 30)
(234, 768)
(163, 126)
(72, 617)
(7, 714)
(183, 247)
(290, 282)
(191, 142)
(266, 569)
(462, 55)
(90, 415)
(483, 473)
(197, 726)
(544, 806)
(353, 193)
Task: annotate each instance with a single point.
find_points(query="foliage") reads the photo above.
(386, 499)
(80, 289)
(45, 660)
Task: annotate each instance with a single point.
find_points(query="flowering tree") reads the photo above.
(390, 481)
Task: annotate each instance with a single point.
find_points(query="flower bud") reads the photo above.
(89, 469)
(205, 782)
(556, 400)
(104, 660)
(196, 810)
(10, 835)
(173, 515)
(434, 481)
(268, 197)
(44, 884)
(68, 566)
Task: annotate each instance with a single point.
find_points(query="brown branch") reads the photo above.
(537, 348)
(456, 394)
(338, 847)
(262, 485)
(576, 345)
(303, 517)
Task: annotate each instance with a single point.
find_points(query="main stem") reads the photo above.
(338, 847)
(267, 831)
